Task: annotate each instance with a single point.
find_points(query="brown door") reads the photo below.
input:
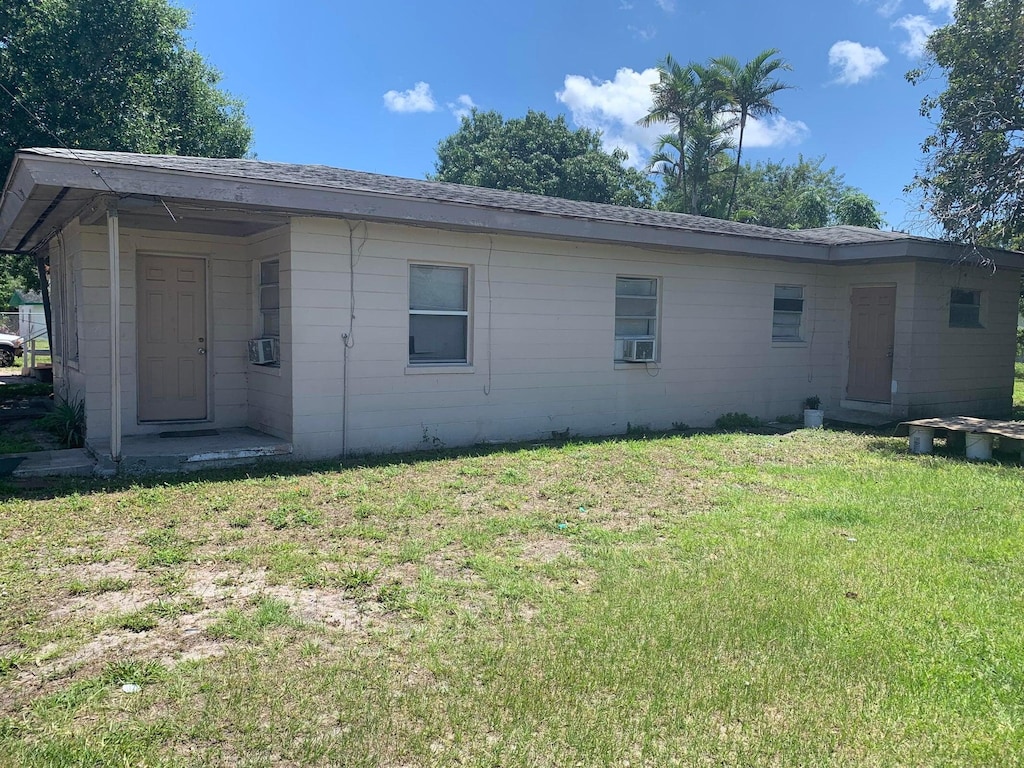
(872, 327)
(172, 338)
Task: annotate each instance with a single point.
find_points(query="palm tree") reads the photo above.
(690, 98)
(750, 88)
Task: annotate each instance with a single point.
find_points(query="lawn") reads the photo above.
(816, 598)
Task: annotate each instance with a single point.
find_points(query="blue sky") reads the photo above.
(374, 86)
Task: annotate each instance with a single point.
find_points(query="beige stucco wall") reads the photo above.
(542, 320)
(963, 370)
(541, 337)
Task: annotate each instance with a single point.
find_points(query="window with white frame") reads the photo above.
(438, 314)
(788, 314)
(270, 298)
(964, 309)
(636, 316)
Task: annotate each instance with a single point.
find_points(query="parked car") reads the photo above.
(10, 348)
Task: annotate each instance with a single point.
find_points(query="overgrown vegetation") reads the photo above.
(808, 599)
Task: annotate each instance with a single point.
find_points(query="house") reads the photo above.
(398, 313)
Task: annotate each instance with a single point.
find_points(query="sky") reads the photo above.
(374, 86)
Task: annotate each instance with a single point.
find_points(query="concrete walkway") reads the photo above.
(178, 451)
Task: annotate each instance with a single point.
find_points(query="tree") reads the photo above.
(972, 179)
(113, 75)
(540, 155)
(802, 195)
(691, 99)
(750, 89)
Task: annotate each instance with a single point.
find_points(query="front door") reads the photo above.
(872, 328)
(172, 338)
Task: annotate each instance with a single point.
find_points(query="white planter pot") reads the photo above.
(979, 446)
(814, 418)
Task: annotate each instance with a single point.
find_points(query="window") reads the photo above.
(636, 311)
(788, 313)
(964, 309)
(438, 314)
(270, 298)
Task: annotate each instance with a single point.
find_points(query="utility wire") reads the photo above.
(49, 131)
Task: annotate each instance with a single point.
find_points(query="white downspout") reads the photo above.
(114, 234)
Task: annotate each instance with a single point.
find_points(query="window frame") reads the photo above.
(958, 307)
(798, 313)
(653, 320)
(261, 311)
(466, 312)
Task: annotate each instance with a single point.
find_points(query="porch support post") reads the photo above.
(114, 235)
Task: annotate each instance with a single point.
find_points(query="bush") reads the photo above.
(67, 422)
(733, 422)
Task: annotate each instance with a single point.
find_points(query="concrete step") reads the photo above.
(860, 418)
(75, 462)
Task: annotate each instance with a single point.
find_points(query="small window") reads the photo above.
(438, 314)
(788, 313)
(270, 298)
(636, 311)
(964, 309)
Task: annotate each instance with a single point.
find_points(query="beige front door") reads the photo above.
(172, 338)
(872, 328)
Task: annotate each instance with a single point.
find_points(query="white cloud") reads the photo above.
(774, 132)
(624, 6)
(885, 8)
(646, 33)
(667, 5)
(918, 29)
(416, 99)
(614, 106)
(949, 6)
(855, 62)
(461, 107)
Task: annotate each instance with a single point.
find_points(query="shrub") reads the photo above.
(732, 422)
(68, 422)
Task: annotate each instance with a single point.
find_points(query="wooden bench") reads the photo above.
(977, 434)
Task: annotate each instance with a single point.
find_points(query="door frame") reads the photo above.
(868, 404)
(207, 267)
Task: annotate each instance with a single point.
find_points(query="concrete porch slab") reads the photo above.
(859, 418)
(193, 450)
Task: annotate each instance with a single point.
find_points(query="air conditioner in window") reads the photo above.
(263, 351)
(638, 350)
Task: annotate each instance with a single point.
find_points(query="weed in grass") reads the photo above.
(394, 596)
(133, 670)
(311, 518)
(170, 609)
(357, 579)
(364, 532)
(170, 582)
(12, 663)
(278, 519)
(242, 521)
(136, 621)
(98, 586)
(316, 576)
(266, 613)
(310, 649)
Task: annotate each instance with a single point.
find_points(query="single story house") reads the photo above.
(349, 312)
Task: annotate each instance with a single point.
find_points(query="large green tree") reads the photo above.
(110, 74)
(540, 155)
(972, 179)
(801, 195)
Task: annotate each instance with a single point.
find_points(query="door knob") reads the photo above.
(201, 351)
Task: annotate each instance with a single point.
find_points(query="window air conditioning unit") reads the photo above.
(263, 351)
(638, 350)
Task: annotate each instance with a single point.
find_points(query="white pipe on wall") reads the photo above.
(114, 235)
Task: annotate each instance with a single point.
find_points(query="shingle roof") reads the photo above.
(326, 177)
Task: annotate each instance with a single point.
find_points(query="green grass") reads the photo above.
(819, 598)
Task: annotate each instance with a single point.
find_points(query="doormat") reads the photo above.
(191, 433)
(8, 465)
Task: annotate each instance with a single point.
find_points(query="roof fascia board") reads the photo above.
(17, 194)
(310, 200)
